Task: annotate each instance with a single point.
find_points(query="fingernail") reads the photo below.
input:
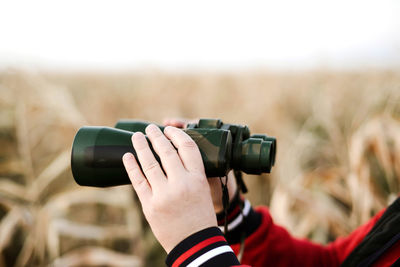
(168, 128)
(137, 135)
(127, 156)
(152, 128)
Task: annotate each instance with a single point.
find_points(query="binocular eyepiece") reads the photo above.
(96, 158)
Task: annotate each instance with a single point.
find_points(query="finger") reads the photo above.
(139, 182)
(180, 123)
(187, 149)
(150, 167)
(170, 159)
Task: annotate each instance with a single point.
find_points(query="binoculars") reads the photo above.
(96, 158)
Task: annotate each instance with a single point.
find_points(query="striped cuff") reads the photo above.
(239, 222)
(207, 247)
(236, 218)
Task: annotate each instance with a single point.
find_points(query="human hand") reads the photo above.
(178, 203)
(214, 182)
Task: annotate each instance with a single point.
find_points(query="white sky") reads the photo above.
(180, 35)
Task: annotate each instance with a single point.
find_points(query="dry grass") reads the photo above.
(338, 161)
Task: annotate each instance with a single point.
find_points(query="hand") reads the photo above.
(178, 203)
(214, 182)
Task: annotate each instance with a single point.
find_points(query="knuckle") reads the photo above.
(140, 183)
(151, 167)
(189, 144)
(132, 170)
(168, 151)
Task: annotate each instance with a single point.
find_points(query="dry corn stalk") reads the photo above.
(36, 206)
(325, 182)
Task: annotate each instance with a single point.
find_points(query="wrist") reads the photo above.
(192, 225)
(207, 246)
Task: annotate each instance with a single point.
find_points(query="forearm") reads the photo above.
(209, 246)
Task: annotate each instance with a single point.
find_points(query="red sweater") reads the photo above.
(269, 245)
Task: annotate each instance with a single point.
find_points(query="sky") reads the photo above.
(193, 35)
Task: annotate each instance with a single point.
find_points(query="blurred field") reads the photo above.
(338, 159)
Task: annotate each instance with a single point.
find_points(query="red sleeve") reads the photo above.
(266, 243)
(272, 245)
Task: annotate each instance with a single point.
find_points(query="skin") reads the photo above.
(179, 203)
(182, 201)
(214, 182)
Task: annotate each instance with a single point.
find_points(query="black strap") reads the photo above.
(384, 234)
(225, 201)
(239, 180)
(396, 263)
(373, 257)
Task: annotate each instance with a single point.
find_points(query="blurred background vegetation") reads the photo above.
(338, 160)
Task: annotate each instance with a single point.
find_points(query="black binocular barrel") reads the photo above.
(96, 158)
